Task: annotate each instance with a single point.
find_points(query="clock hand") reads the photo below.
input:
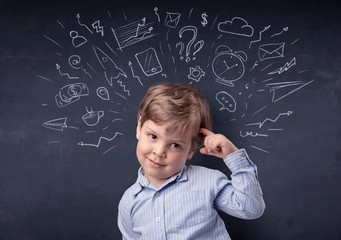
(228, 68)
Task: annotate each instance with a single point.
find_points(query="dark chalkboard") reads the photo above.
(72, 74)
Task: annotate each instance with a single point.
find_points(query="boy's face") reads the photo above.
(162, 154)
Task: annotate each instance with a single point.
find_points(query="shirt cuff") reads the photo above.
(238, 160)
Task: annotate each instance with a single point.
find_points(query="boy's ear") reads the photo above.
(190, 154)
(138, 129)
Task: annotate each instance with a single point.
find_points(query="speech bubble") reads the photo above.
(227, 101)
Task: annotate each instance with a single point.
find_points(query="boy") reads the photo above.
(171, 200)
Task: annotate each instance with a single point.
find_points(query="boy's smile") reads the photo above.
(162, 154)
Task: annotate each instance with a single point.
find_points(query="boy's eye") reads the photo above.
(152, 136)
(175, 145)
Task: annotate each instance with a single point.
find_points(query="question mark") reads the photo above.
(190, 43)
(181, 44)
(201, 44)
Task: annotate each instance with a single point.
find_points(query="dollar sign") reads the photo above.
(73, 91)
(204, 20)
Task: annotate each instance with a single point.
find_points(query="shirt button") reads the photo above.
(158, 219)
(157, 194)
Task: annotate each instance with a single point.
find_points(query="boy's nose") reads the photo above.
(159, 150)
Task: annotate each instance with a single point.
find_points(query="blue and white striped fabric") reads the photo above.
(185, 207)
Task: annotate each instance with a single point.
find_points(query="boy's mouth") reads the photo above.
(155, 164)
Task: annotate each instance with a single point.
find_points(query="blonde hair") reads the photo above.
(180, 105)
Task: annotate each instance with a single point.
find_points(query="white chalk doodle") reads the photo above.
(283, 30)
(75, 63)
(237, 26)
(123, 86)
(185, 34)
(45, 78)
(64, 74)
(161, 50)
(149, 62)
(271, 51)
(91, 67)
(214, 21)
(228, 66)
(267, 80)
(182, 47)
(260, 149)
(294, 41)
(254, 66)
(109, 149)
(112, 50)
(286, 67)
(60, 24)
(260, 36)
(71, 93)
(120, 95)
(204, 17)
(200, 43)
(258, 111)
(281, 90)
(196, 73)
(97, 145)
(156, 13)
(77, 40)
(172, 19)
(227, 101)
(56, 124)
(260, 124)
(53, 41)
(97, 26)
(111, 71)
(103, 93)
(125, 17)
(190, 13)
(82, 24)
(266, 67)
(91, 118)
(251, 134)
(133, 33)
(130, 64)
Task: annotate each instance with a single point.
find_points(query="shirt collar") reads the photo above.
(143, 182)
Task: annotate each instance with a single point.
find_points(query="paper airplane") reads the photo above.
(56, 124)
(281, 90)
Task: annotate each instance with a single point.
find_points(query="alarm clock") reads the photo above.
(228, 66)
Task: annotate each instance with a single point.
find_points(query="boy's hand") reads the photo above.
(216, 144)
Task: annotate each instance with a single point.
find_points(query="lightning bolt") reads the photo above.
(97, 26)
(285, 67)
(123, 86)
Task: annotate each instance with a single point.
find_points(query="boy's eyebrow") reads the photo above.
(180, 140)
(149, 129)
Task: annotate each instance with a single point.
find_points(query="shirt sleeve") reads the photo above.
(242, 195)
(124, 220)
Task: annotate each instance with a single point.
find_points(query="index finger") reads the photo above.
(205, 131)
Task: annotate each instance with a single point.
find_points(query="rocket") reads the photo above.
(111, 71)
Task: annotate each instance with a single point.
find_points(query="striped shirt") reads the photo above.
(185, 207)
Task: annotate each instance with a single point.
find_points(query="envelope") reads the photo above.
(172, 19)
(269, 51)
